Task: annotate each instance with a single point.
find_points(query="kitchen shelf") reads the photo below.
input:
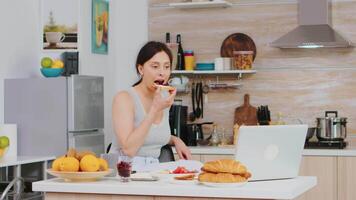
(205, 4)
(213, 72)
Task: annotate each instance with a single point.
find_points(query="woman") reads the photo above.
(141, 114)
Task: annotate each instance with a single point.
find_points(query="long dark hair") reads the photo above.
(148, 51)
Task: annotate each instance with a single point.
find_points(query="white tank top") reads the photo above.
(158, 135)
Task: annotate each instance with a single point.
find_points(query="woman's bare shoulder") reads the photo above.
(123, 97)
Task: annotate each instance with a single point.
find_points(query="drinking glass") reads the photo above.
(223, 137)
(124, 166)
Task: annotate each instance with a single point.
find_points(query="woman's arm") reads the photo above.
(123, 115)
(182, 149)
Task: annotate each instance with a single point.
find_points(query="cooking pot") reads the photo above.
(331, 128)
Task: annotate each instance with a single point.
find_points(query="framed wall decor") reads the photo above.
(60, 24)
(100, 26)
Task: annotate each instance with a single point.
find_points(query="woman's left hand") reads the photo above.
(182, 149)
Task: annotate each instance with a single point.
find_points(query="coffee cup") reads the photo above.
(175, 81)
(180, 83)
(54, 37)
(219, 64)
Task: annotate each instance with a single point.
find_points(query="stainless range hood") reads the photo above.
(314, 30)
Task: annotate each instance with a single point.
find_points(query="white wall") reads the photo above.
(19, 49)
(129, 31)
(20, 45)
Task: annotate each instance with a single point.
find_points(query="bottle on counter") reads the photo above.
(180, 54)
(189, 60)
(168, 38)
(174, 49)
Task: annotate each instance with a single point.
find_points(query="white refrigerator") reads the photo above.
(54, 114)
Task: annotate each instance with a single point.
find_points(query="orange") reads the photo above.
(56, 163)
(71, 152)
(89, 163)
(69, 164)
(79, 155)
(103, 164)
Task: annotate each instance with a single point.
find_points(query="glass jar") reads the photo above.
(242, 60)
(124, 166)
(215, 136)
(189, 60)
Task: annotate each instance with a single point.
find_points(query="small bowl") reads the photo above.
(51, 72)
(205, 66)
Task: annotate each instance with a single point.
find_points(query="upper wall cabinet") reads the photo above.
(202, 4)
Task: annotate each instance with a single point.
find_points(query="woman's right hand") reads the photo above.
(160, 103)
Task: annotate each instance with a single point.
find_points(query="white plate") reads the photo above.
(223, 184)
(141, 176)
(164, 175)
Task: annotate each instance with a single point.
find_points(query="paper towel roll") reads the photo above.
(10, 130)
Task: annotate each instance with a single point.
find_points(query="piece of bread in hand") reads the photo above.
(166, 87)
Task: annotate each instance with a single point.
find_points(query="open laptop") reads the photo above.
(271, 152)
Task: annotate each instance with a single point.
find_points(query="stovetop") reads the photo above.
(325, 144)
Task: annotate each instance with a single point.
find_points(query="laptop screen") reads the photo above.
(271, 152)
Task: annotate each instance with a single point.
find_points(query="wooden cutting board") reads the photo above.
(246, 114)
(237, 42)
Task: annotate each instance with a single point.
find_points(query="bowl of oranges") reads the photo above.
(79, 166)
(51, 68)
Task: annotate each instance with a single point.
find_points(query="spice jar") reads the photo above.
(189, 60)
(243, 59)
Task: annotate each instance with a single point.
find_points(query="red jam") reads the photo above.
(124, 169)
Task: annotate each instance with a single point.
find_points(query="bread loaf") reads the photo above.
(221, 178)
(224, 166)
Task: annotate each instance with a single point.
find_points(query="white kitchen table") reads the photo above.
(17, 161)
(111, 188)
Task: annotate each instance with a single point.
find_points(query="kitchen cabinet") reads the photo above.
(194, 157)
(325, 169)
(346, 178)
(206, 158)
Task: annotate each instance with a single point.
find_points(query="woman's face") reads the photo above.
(156, 70)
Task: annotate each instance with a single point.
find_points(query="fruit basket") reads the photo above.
(51, 72)
(79, 176)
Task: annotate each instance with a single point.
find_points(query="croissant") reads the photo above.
(224, 166)
(221, 178)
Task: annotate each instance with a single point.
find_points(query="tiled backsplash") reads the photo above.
(300, 83)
